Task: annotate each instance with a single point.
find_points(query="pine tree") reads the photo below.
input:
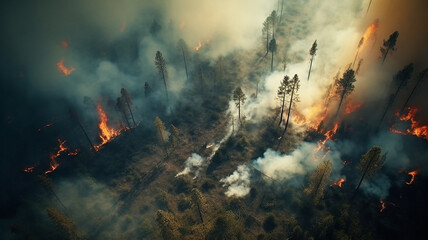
(295, 85)
(168, 225)
(162, 134)
(64, 224)
(318, 181)
(239, 98)
(370, 163)
(345, 86)
(388, 45)
(127, 99)
(160, 64)
(199, 202)
(312, 52)
(282, 91)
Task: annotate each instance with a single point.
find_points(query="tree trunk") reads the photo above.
(413, 91)
(86, 135)
(280, 15)
(370, 3)
(130, 111)
(166, 90)
(185, 64)
(386, 54)
(310, 67)
(282, 109)
(288, 117)
(362, 177)
(340, 103)
(239, 110)
(271, 63)
(391, 101)
(356, 55)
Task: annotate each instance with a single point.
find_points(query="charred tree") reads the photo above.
(77, 120)
(318, 181)
(184, 51)
(239, 98)
(370, 163)
(120, 104)
(127, 98)
(282, 91)
(400, 80)
(388, 45)
(358, 50)
(370, 3)
(312, 52)
(345, 86)
(160, 64)
(420, 78)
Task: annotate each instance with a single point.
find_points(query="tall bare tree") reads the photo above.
(345, 86)
(128, 101)
(420, 78)
(312, 52)
(184, 51)
(318, 181)
(358, 50)
(295, 85)
(388, 45)
(282, 91)
(160, 64)
(400, 80)
(266, 32)
(239, 98)
(370, 163)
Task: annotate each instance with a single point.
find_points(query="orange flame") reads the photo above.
(350, 108)
(416, 128)
(198, 46)
(106, 132)
(29, 169)
(370, 31)
(45, 126)
(338, 182)
(66, 71)
(74, 152)
(383, 205)
(53, 163)
(64, 44)
(413, 174)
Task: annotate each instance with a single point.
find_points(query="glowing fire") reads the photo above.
(45, 126)
(350, 108)
(53, 163)
(370, 31)
(74, 152)
(29, 169)
(346, 162)
(338, 183)
(64, 44)
(123, 27)
(413, 174)
(198, 47)
(416, 128)
(328, 136)
(106, 132)
(66, 71)
(382, 205)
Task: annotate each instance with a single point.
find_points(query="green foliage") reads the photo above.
(239, 97)
(371, 162)
(226, 227)
(64, 224)
(318, 181)
(345, 85)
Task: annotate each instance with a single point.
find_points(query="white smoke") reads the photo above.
(238, 183)
(194, 164)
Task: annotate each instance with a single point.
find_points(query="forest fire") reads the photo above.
(64, 44)
(328, 136)
(382, 205)
(350, 107)
(416, 128)
(74, 152)
(53, 163)
(63, 69)
(370, 31)
(106, 132)
(338, 182)
(413, 174)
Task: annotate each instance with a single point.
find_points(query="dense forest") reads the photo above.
(133, 124)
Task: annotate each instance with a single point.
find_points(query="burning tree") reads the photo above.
(388, 45)
(370, 163)
(160, 64)
(294, 85)
(312, 52)
(345, 86)
(358, 50)
(182, 46)
(239, 98)
(420, 78)
(282, 90)
(127, 99)
(318, 181)
(400, 80)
